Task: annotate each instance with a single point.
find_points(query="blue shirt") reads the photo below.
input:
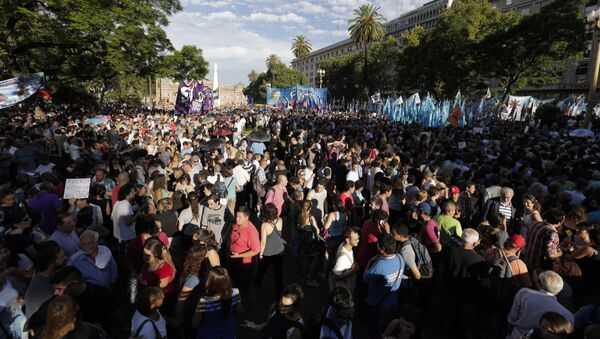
(383, 276)
(257, 148)
(101, 272)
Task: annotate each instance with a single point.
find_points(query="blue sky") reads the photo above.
(238, 35)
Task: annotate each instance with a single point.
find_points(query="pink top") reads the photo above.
(430, 233)
(276, 195)
(245, 239)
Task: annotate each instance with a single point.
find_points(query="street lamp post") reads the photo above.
(593, 20)
(321, 73)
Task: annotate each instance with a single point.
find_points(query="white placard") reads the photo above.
(77, 188)
(462, 145)
(477, 130)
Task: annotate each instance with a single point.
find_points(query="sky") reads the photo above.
(239, 35)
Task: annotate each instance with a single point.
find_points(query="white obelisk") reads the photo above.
(216, 94)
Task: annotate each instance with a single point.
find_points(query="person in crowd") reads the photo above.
(167, 217)
(383, 276)
(450, 228)
(147, 321)
(543, 241)
(284, 319)
(370, 232)
(272, 247)
(278, 194)
(318, 196)
(217, 311)
(345, 268)
(430, 231)
(158, 269)
(530, 305)
(123, 217)
(50, 257)
(62, 321)
(215, 217)
(337, 322)
(43, 207)
(464, 270)
(65, 235)
(501, 205)
(244, 247)
(531, 213)
(192, 215)
(94, 261)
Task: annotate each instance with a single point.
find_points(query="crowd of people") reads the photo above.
(410, 232)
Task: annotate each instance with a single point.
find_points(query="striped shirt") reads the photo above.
(505, 210)
(211, 304)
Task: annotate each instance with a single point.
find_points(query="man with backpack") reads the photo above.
(417, 260)
(383, 276)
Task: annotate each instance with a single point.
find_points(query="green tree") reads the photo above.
(187, 63)
(365, 28)
(80, 42)
(534, 51)
(301, 47)
(445, 59)
(412, 38)
(278, 75)
(342, 74)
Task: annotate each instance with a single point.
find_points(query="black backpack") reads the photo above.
(423, 259)
(504, 284)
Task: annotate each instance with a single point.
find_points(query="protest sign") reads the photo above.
(77, 189)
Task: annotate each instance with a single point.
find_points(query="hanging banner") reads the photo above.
(15, 90)
(309, 97)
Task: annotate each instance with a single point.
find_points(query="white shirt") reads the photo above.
(147, 331)
(241, 175)
(352, 176)
(122, 231)
(186, 217)
(41, 169)
(344, 260)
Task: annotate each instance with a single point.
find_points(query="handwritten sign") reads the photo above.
(77, 188)
(477, 130)
(462, 145)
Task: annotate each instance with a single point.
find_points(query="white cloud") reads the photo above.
(239, 35)
(266, 17)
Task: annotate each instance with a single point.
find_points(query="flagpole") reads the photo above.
(436, 141)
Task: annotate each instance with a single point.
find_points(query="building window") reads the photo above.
(508, 2)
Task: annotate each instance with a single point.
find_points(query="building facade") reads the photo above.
(426, 16)
(230, 94)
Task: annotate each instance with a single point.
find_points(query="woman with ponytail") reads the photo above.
(191, 215)
(158, 269)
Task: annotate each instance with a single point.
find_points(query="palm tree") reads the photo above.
(301, 47)
(366, 27)
(271, 62)
(253, 76)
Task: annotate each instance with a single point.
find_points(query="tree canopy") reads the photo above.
(84, 43)
(277, 75)
(301, 47)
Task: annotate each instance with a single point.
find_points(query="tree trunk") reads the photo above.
(365, 89)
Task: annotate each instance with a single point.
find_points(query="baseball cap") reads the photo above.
(455, 190)
(425, 207)
(516, 241)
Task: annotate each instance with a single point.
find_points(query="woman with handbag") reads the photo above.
(272, 247)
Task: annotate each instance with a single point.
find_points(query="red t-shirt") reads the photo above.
(115, 195)
(368, 243)
(348, 200)
(245, 239)
(153, 278)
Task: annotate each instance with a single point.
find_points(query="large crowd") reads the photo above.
(410, 232)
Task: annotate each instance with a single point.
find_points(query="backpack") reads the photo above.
(316, 322)
(139, 329)
(503, 283)
(220, 187)
(423, 259)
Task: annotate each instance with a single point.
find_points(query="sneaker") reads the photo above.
(313, 283)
